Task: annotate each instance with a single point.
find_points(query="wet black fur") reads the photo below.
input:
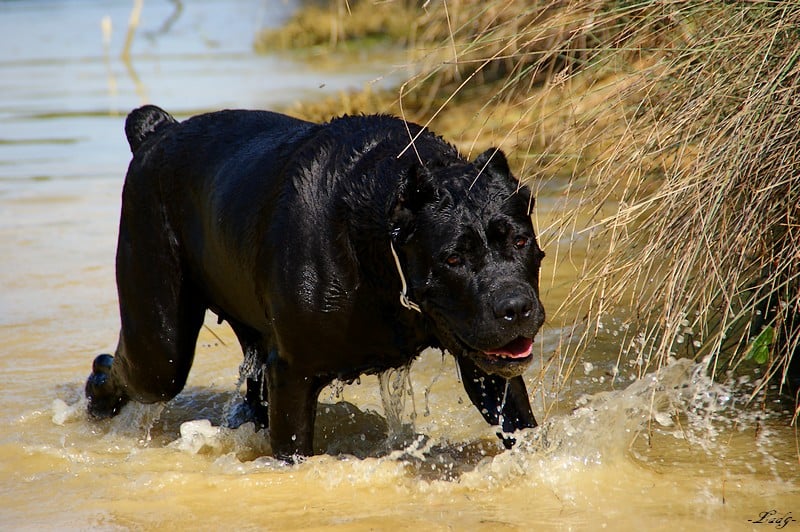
(283, 228)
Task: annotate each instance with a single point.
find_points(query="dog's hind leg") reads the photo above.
(500, 401)
(253, 371)
(161, 313)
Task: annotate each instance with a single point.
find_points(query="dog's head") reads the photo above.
(471, 260)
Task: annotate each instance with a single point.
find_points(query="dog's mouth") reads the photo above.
(517, 349)
(506, 361)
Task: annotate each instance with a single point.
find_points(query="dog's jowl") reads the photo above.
(332, 250)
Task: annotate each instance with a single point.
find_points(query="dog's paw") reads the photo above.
(104, 399)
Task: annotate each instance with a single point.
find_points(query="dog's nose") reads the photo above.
(513, 308)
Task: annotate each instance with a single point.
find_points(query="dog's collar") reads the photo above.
(404, 300)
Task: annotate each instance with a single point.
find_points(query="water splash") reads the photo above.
(202, 438)
(634, 425)
(395, 386)
(608, 429)
(136, 420)
(64, 413)
(336, 387)
(679, 399)
(437, 375)
(236, 411)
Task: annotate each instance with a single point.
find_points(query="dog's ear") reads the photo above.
(494, 161)
(415, 190)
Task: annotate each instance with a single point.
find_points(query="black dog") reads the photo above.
(301, 236)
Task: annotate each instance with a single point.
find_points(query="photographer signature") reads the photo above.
(773, 517)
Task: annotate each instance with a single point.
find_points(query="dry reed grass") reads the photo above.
(676, 123)
(340, 22)
(669, 130)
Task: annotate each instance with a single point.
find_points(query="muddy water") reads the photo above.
(667, 451)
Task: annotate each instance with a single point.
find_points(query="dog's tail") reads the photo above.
(145, 121)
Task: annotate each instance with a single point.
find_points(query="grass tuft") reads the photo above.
(341, 22)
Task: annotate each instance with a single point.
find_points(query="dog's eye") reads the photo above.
(454, 260)
(520, 242)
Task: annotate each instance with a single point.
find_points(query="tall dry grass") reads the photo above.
(675, 125)
(338, 22)
(669, 131)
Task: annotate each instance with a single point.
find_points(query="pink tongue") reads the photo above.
(519, 348)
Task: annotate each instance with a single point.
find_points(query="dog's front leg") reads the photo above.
(500, 401)
(292, 409)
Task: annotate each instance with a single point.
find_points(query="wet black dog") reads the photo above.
(331, 249)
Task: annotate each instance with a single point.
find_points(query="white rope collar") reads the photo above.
(404, 300)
